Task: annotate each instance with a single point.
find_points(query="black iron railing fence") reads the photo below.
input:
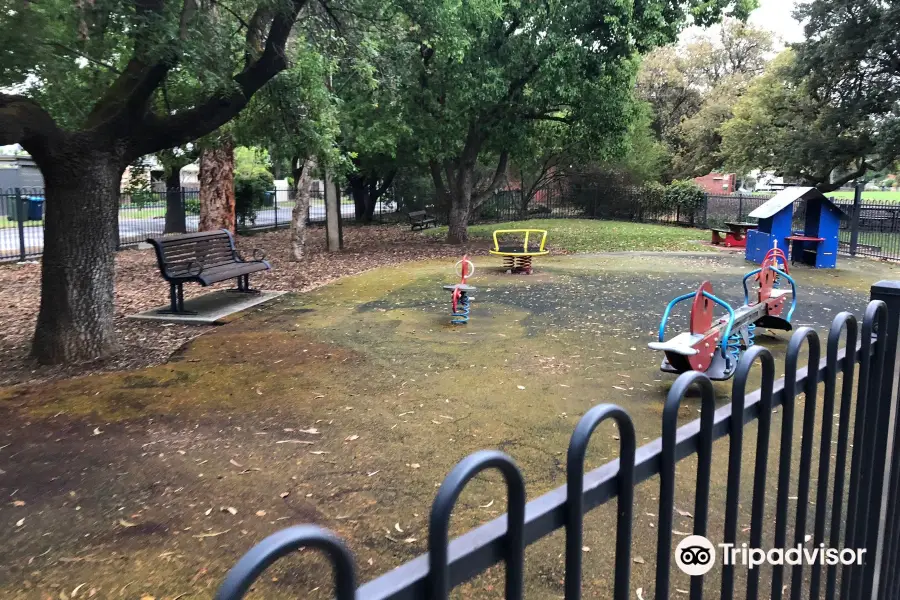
(877, 230)
(865, 471)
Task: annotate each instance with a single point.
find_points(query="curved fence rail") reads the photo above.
(866, 468)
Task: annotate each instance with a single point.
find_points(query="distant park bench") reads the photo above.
(419, 219)
(205, 258)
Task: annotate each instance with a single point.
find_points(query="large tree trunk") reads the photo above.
(75, 321)
(301, 207)
(359, 189)
(175, 218)
(217, 187)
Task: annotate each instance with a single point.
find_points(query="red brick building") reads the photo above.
(719, 184)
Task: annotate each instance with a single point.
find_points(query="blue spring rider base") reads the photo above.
(459, 314)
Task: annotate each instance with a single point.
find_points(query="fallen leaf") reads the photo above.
(319, 452)
(415, 465)
(284, 494)
(236, 463)
(294, 442)
(125, 523)
(397, 527)
(18, 503)
(350, 438)
(229, 509)
(20, 522)
(373, 473)
(488, 505)
(258, 392)
(311, 431)
(260, 513)
(684, 513)
(585, 549)
(75, 591)
(208, 535)
(521, 387)
(640, 590)
(638, 560)
(97, 431)
(410, 540)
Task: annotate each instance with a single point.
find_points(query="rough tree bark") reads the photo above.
(366, 191)
(359, 189)
(302, 169)
(175, 217)
(83, 167)
(459, 191)
(217, 187)
(75, 320)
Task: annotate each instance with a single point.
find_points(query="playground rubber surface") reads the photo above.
(346, 407)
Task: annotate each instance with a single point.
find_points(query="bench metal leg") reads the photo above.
(243, 285)
(176, 301)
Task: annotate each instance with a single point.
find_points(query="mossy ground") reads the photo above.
(355, 401)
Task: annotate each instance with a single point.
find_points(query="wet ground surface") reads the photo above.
(346, 407)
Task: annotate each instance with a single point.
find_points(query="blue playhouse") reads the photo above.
(816, 245)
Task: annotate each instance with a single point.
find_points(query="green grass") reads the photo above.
(7, 223)
(583, 235)
(893, 196)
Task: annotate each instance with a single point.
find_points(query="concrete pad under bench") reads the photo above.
(211, 308)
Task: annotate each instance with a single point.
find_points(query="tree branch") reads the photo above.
(825, 187)
(496, 181)
(221, 107)
(24, 122)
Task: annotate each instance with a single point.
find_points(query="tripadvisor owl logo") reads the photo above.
(695, 555)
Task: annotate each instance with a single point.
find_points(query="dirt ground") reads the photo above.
(139, 287)
(345, 407)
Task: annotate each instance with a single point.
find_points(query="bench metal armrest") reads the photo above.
(193, 269)
(259, 255)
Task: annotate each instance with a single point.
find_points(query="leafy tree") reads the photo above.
(693, 88)
(486, 71)
(94, 81)
(850, 63)
(781, 125)
(296, 116)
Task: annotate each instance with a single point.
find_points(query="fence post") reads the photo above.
(21, 212)
(883, 427)
(705, 223)
(854, 218)
(275, 203)
(740, 215)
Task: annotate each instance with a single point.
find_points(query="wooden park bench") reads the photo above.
(419, 219)
(207, 257)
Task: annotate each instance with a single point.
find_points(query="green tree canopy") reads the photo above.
(487, 71)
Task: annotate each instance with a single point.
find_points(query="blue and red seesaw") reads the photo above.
(714, 346)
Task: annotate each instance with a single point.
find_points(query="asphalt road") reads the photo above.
(137, 230)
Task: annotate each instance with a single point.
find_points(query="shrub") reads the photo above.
(250, 194)
(685, 195)
(141, 198)
(192, 206)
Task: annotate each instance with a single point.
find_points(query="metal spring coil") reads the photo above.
(735, 341)
(461, 316)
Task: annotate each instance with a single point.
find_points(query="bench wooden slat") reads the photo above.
(206, 257)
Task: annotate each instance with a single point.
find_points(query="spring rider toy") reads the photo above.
(460, 297)
(715, 346)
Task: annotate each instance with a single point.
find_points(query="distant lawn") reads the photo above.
(893, 196)
(6, 223)
(584, 235)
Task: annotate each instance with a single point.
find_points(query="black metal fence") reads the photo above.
(852, 503)
(143, 215)
(877, 228)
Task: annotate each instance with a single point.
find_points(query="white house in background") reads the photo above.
(155, 177)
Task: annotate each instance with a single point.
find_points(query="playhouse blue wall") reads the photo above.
(761, 240)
